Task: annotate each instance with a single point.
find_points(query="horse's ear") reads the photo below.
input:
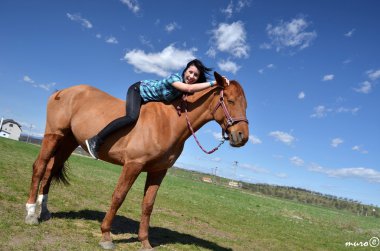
(219, 79)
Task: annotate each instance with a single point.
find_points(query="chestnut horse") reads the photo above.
(152, 145)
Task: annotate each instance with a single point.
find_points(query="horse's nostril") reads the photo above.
(240, 136)
(234, 137)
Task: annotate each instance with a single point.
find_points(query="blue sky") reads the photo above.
(310, 70)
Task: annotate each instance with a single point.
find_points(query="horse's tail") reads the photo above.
(57, 92)
(60, 173)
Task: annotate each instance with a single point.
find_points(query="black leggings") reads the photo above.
(133, 105)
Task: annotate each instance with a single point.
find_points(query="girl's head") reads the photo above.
(195, 72)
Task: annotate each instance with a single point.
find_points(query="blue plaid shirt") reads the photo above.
(160, 90)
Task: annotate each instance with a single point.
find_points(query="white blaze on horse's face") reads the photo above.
(191, 75)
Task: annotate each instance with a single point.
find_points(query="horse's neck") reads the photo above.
(198, 111)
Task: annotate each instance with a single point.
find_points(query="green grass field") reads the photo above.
(188, 215)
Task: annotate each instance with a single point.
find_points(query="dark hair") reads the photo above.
(204, 71)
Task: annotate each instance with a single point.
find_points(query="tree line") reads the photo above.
(314, 198)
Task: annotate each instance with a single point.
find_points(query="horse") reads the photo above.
(151, 145)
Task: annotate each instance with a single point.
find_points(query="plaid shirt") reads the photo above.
(160, 90)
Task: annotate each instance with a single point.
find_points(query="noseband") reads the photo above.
(230, 120)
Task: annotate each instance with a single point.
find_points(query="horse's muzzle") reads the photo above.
(237, 138)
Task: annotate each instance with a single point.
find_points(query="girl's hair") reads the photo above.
(204, 71)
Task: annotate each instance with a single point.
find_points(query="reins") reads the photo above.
(184, 101)
(230, 120)
(196, 139)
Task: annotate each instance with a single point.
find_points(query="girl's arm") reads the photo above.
(195, 87)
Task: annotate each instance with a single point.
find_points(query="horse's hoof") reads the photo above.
(45, 216)
(107, 244)
(31, 220)
(145, 246)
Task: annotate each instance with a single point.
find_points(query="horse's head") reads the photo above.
(229, 110)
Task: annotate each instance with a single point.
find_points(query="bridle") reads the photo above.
(230, 120)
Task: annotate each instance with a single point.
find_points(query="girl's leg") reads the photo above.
(133, 104)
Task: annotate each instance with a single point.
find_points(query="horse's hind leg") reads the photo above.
(49, 145)
(55, 169)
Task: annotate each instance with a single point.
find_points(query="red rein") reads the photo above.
(230, 121)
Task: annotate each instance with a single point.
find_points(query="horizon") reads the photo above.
(213, 175)
(310, 72)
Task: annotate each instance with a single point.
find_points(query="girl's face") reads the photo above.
(191, 75)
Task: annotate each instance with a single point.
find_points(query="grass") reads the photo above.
(188, 215)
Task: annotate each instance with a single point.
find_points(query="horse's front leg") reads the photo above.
(152, 184)
(127, 177)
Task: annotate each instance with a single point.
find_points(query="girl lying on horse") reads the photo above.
(193, 79)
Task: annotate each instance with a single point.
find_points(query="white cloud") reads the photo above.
(133, 5)
(253, 168)
(111, 40)
(281, 175)
(368, 174)
(211, 52)
(336, 142)
(28, 79)
(161, 63)
(228, 66)
(231, 38)
(350, 33)
(301, 95)
(228, 11)
(297, 161)
(320, 111)
(347, 110)
(172, 26)
(347, 61)
(146, 42)
(291, 34)
(283, 137)
(241, 4)
(373, 75)
(359, 149)
(216, 159)
(78, 18)
(217, 136)
(255, 140)
(269, 66)
(45, 87)
(328, 77)
(236, 6)
(265, 46)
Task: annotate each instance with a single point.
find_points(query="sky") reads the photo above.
(310, 71)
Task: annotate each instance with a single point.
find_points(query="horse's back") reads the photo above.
(75, 108)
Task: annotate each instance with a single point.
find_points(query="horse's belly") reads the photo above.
(160, 163)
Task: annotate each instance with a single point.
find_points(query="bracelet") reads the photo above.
(211, 83)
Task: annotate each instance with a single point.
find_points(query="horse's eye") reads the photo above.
(230, 101)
